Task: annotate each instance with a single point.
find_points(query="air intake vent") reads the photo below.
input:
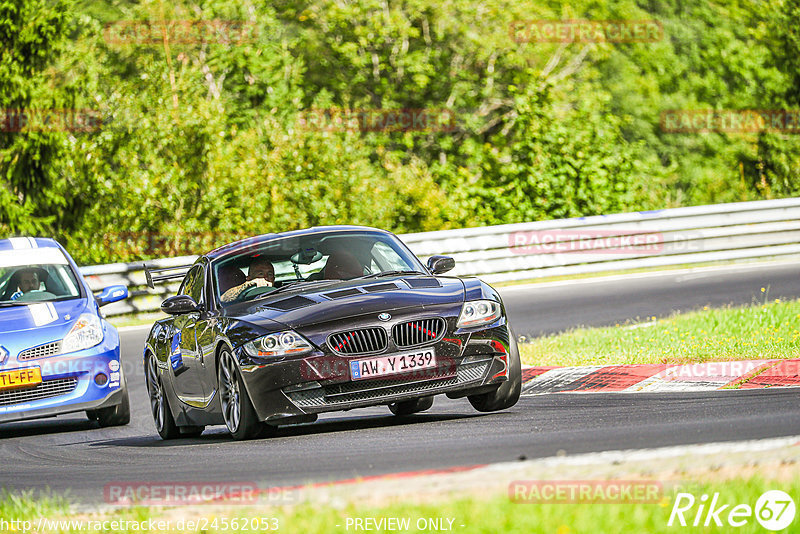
(342, 293)
(45, 390)
(48, 349)
(380, 287)
(292, 303)
(418, 283)
(418, 332)
(362, 341)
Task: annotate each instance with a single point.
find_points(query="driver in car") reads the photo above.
(260, 274)
(28, 280)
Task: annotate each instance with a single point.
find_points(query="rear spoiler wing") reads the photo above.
(179, 271)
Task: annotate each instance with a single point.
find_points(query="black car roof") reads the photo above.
(243, 245)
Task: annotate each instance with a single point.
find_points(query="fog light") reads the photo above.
(100, 379)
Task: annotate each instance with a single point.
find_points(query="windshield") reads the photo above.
(36, 275)
(319, 257)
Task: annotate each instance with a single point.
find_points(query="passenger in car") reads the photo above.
(260, 274)
(342, 265)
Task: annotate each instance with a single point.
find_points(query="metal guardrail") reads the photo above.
(720, 232)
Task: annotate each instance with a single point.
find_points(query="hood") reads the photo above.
(351, 298)
(41, 316)
(22, 327)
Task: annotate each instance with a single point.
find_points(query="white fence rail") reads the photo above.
(721, 232)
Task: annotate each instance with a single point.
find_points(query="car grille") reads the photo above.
(380, 389)
(418, 332)
(361, 341)
(48, 349)
(355, 387)
(45, 390)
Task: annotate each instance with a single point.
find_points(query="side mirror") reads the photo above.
(179, 304)
(111, 294)
(440, 264)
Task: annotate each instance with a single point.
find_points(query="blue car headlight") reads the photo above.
(283, 343)
(85, 333)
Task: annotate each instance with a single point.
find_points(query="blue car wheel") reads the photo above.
(114, 415)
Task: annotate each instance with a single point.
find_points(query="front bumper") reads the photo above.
(471, 374)
(68, 384)
(468, 361)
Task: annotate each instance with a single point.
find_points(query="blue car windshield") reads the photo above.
(36, 275)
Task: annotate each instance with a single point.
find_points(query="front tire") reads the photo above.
(508, 393)
(116, 415)
(411, 406)
(237, 410)
(159, 406)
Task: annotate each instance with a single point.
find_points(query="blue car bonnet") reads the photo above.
(43, 316)
(33, 324)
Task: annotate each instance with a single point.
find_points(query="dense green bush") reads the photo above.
(208, 140)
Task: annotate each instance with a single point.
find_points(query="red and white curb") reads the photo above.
(708, 376)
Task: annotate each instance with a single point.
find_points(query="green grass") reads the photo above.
(764, 331)
(484, 514)
(499, 514)
(25, 504)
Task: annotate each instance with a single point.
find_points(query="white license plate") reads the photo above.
(393, 364)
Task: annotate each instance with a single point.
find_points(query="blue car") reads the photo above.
(57, 353)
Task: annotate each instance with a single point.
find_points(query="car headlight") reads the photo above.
(478, 312)
(278, 344)
(86, 333)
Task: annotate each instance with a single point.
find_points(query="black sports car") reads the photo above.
(275, 329)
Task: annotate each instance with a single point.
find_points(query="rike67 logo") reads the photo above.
(774, 510)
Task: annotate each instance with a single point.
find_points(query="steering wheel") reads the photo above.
(35, 296)
(251, 292)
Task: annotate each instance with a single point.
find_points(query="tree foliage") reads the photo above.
(205, 139)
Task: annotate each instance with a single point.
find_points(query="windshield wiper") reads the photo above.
(386, 273)
(11, 303)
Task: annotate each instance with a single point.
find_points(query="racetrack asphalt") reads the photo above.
(548, 308)
(71, 454)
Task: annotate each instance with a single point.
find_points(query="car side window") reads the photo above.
(386, 258)
(193, 284)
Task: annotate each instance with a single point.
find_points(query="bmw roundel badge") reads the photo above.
(384, 316)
